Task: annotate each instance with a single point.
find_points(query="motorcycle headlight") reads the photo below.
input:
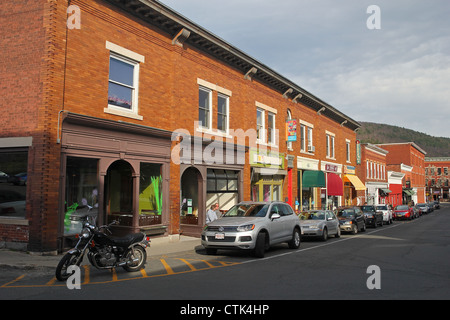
(247, 227)
(85, 233)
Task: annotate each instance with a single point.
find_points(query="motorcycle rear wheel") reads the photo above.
(140, 254)
(66, 261)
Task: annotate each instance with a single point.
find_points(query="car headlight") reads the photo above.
(247, 227)
(348, 222)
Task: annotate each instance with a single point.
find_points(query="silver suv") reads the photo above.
(253, 226)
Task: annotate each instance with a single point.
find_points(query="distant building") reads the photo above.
(408, 158)
(437, 178)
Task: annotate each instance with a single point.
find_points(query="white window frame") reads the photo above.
(302, 138)
(262, 126)
(120, 53)
(227, 112)
(347, 149)
(271, 133)
(310, 138)
(209, 92)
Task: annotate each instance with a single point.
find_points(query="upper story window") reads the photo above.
(347, 150)
(204, 107)
(123, 83)
(209, 112)
(222, 112)
(330, 145)
(271, 128)
(123, 80)
(260, 125)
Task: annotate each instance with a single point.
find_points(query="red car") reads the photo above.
(403, 212)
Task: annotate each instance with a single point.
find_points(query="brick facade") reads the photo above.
(51, 73)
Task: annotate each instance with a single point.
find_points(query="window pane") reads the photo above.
(203, 111)
(120, 96)
(150, 194)
(222, 113)
(120, 71)
(81, 197)
(13, 183)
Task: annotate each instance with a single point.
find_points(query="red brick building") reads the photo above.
(373, 173)
(437, 178)
(126, 110)
(408, 158)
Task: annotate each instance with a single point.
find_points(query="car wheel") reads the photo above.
(355, 229)
(295, 242)
(338, 233)
(260, 247)
(325, 234)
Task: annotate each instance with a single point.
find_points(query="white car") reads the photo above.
(253, 226)
(319, 223)
(387, 213)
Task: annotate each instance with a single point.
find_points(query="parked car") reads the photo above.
(3, 176)
(417, 211)
(430, 206)
(319, 223)
(423, 207)
(19, 179)
(351, 219)
(403, 212)
(373, 218)
(12, 203)
(386, 211)
(437, 205)
(253, 226)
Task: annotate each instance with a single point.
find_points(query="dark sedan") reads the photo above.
(373, 218)
(351, 219)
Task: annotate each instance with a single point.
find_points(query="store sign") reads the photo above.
(349, 170)
(267, 159)
(291, 130)
(331, 168)
(358, 152)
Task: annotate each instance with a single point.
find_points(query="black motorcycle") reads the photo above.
(104, 251)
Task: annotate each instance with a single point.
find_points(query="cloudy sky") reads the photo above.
(398, 75)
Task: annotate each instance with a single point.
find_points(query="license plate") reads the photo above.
(220, 236)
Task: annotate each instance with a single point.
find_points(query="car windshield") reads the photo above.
(421, 204)
(312, 215)
(247, 210)
(346, 213)
(367, 208)
(401, 208)
(381, 208)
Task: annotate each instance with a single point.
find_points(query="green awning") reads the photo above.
(313, 179)
(408, 192)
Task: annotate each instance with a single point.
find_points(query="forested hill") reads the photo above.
(383, 133)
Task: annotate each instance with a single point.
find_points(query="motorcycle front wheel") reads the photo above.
(136, 261)
(66, 261)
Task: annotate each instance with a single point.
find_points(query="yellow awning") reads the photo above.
(355, 181)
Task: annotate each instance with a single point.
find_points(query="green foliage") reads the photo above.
(383, 133)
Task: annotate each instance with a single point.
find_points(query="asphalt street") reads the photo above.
(411, 260)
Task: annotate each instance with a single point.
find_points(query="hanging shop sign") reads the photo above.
(291, 130)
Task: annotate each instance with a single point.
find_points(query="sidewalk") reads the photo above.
(158, 247)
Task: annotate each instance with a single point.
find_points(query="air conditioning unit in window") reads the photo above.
(311, 149)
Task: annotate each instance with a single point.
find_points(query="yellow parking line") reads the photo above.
(86, 274)
(15, 280)
(188, 264)
(168, 268)
(209, 264)
(51, 282)
(114, 274)
(144, 274)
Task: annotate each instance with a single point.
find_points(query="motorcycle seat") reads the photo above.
(128, 239)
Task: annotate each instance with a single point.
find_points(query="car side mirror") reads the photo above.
(275, 216)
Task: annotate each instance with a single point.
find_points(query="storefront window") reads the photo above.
(81, 197)
(150, 194)
(222, 188)
(13, 183)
